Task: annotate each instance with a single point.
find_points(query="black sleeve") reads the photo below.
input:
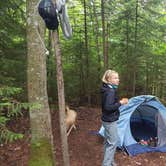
(110, 105)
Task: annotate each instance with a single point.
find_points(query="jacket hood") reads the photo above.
(104, 87)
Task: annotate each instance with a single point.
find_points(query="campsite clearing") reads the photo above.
(85, 148)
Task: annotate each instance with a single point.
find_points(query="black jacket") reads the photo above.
(110, 104)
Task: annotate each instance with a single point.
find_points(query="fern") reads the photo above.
(9, 107)
(3, 120)
(8, 136)
(9, 91)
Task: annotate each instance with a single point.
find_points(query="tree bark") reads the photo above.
(97, 39)
(40, 119)
(86, 39)
(135, 48)
(103, 30)
(61, 98)
(86, 54)
(127, 77)
(36, 74)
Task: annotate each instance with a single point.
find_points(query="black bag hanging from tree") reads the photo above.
(47, 11)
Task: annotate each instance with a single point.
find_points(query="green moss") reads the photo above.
(40, 154)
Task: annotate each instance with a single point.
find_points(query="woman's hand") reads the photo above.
(124, 101)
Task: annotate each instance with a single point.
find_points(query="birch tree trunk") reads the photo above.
(40, 119)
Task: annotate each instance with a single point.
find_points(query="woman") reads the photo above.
(110, 114)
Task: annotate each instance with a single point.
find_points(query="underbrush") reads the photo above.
(11, 109)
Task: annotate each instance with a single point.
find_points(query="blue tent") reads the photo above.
(142, 118)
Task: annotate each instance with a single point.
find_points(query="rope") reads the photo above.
(65, 25)
(36, 25)
(59, 4)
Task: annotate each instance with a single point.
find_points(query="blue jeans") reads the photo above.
(110, 142)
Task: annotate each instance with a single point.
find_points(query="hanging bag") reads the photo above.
(64, 19)
(47, 11)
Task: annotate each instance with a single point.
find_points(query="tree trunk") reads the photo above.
(40, 119)
(86, 39)
(107, 44)
(82, 75)
(103, 30)
(37, 79)
(127, 77)
(135, 48)
(86, 54)
(97, 40)
(105, 51)
(61, 98)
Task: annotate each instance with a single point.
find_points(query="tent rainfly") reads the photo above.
(144, 117)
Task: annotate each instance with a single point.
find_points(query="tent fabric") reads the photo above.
(143, 117)
(161, 131)
(135, 149)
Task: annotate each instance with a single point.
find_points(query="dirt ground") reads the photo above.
(85, 148)
(17, 153)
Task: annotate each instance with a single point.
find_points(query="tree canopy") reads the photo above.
(134, 43)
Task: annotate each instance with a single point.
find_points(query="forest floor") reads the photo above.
(85, 148)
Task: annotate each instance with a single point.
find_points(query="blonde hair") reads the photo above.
(108, 74)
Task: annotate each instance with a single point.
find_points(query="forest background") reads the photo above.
(129, 36)
(126, 36)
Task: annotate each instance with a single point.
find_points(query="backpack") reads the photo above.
(47, 11)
